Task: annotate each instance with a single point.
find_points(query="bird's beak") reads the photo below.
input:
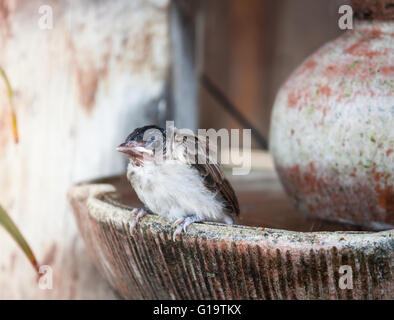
(130, 148)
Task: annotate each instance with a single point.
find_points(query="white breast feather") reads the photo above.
(175, 190)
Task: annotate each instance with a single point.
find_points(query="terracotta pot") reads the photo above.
(332, 129)
(214, 261)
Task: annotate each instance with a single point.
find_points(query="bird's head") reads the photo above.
(144, 144)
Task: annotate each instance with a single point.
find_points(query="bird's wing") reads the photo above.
(204, 161)
(215, 181)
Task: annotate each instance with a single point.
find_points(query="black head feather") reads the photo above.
(138, 134)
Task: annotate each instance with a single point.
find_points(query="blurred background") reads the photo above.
(251, 47)
(86, 73)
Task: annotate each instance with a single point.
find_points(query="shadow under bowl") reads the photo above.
(277, 253)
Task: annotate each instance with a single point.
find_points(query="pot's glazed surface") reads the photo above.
(332, 129)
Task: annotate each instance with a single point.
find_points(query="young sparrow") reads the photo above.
(175, 176)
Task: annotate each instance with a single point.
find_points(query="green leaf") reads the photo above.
(13, 230)
(10, 95)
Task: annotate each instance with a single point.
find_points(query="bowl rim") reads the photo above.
(100, 199)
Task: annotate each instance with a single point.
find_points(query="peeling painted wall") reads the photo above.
(79, 89)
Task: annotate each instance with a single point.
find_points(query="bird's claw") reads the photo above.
(141, 212)
(183, 225)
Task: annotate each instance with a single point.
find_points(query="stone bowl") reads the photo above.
(276, 252)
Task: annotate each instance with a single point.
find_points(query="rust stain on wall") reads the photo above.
(88, 75)
(87, 85)
(136, 54)
(50, 255)
(4, 15)
(88, 79)
(142, 50)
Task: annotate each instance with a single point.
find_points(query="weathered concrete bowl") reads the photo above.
(214, 261)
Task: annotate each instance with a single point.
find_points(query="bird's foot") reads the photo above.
(184, 224)
(141, 212)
